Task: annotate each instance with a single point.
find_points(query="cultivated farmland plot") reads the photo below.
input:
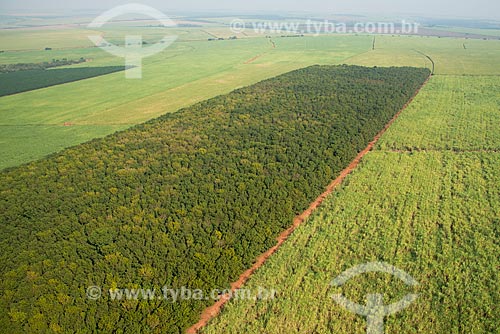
(190, 71)
(434, 214)
(22, 81)
(184, 74)
(460, 113)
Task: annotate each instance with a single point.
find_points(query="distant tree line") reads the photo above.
(26, 80)
(6, 68)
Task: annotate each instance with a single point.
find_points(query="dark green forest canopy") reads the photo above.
(14, 82)
(189, 199)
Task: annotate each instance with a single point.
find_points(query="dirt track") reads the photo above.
(212, 311)
(251, 60)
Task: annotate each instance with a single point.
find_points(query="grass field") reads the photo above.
(434, 214)
(24, 81)
(184, 74)
(486, 32)
(191, 70)
(452, 113)
(18, 40)
(479, 58)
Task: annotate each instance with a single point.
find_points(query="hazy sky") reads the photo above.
(439, 8)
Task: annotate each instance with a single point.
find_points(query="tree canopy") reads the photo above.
(188, 199)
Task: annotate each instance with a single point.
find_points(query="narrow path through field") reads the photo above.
(251, 60)
(428, 57)
(212, 311)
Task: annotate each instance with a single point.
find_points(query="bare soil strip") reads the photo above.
(251, 60)
(212, 311)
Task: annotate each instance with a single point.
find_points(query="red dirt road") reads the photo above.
(211, 312)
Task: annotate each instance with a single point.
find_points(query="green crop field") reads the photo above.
(184, 74)
(433, 213)
(479, 58)
(23, 81)
(460, 113)
(485, 32)
(18, 40)
(191, 70)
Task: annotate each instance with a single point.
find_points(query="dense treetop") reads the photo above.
(189, 199)
(20, 81)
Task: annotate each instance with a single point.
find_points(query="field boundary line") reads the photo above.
(428, 57)
(251, 60)
(212, 311)
(209, 33)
